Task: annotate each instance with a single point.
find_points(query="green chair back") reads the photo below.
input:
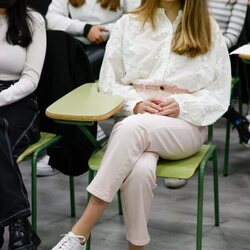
(44, 139)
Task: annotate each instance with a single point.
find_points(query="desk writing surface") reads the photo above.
(244, 56)
(85, 103)
(243, 51)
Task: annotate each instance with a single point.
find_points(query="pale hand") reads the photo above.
(167, 107)
(148, 106)
(95, 34)
(170, 107)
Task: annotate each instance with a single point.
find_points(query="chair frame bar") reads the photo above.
(235, 82)
(211, 155)
(34, 158)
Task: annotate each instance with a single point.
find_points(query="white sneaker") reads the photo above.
(174, 183)
(71, 241)
(100, 133)
(43, 167)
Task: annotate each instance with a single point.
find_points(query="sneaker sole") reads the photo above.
(47, 173)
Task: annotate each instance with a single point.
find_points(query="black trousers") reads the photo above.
(95, 53)
(18, 129)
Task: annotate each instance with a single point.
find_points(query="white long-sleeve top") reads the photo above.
(21, 64)
(62, 15)
(230, 18)
(144, 57)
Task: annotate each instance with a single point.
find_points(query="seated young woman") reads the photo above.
(22, 52)
(169, 61)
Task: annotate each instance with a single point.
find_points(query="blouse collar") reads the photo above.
(161, 11)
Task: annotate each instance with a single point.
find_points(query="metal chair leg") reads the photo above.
(226, 150)
(216, 189)
(91, 177)
(88, 244)
(200, 206)
(119, 203)
(35, 155)
(72, 196)
(34, 191)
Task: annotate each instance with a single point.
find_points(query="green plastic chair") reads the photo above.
(180, 169)
(235, 82)
(33, 152)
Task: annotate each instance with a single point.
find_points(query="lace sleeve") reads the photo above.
(112, 71)
(206, 105)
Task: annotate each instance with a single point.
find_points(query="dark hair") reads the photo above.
(19, 30)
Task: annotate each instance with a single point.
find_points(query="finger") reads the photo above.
(166, 102)
(154, 106)
(155, 100)
(102, 28)
(150, 110)
(169, 112)
(98, 40)
(101, 38)
(173, 105)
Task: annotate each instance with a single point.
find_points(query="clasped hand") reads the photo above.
(168, 107)
(96, 36)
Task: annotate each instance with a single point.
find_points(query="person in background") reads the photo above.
(247, 40)
(22, 52)
(230, 15)
(90, 21)
(169, 61)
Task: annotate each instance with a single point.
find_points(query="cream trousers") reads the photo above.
(130, 163)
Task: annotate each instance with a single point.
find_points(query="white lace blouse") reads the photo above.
(144, 57)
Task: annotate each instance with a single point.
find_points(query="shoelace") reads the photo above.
(17, 226)
(70, 239)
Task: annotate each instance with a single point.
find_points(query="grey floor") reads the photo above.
(172, 222)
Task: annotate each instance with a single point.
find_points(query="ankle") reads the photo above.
(80, 237)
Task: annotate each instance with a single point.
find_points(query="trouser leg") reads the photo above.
(18, 129)
(130, 138)
(13, 197)
(138, 134)
(137, 195)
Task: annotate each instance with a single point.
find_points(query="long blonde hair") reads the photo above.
(193, 35)
(113, 5)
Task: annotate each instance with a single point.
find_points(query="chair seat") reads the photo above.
(45, 138)
(180, 169)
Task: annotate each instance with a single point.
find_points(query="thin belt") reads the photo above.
(6, 84)
(162, 87)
